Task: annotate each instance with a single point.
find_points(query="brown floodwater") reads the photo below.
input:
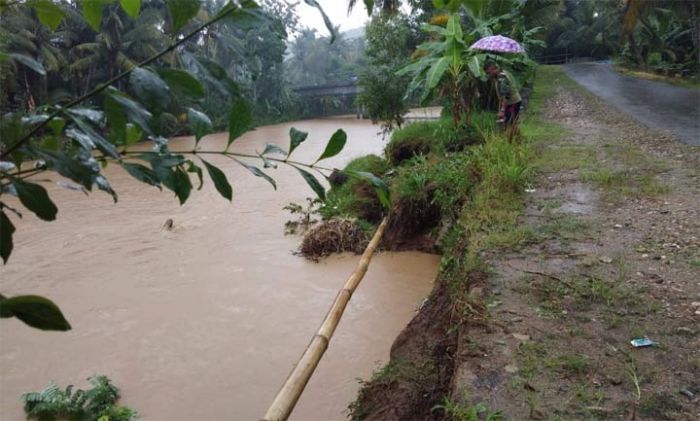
(205, 321)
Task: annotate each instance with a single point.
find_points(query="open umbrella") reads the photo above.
(498, 44)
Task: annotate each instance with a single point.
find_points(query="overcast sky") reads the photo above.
(337, 11)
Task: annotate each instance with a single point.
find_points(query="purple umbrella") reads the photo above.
(498, 44)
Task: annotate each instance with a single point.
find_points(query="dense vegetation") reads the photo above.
(98, 403)
(658, 35)
(83, 81)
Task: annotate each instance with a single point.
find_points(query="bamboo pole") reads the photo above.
(289, 394)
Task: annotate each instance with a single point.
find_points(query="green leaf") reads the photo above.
(313, 183)
(131, 7)
(239, 120)
(29, 62)
(92, 12)
(95, 116)
(326, 20)
(83, 140)
(102, 144)
(181, 11)
(68, 167)
(116, 117)
(454, 27)
(135, 111)
(195, 169)
(335, 145)
(220, 182)
(258, 172)
(272, 148)
(369, 5)
(48, 12)
(104, 185)
(35, 311)
(51, 143)
(296, 137)
(35, 198)
(133, 134)
(182, 83)
(377, 183)
(181, 185)
(436, 72)
(57, 125)
(475, 67)
(6, 231)
(150, 88)
(200, 122)
(142, 173)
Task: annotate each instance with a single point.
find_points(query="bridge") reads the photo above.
(337, 96)
(338, 89)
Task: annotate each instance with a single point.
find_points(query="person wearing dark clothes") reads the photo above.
(509, 99)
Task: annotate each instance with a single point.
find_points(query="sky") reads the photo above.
(337, 11)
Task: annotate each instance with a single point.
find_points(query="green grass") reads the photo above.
(399, 369)
(564, 226)
(531, 357)
(574, 364)
(462, 411)
(355, 198)
(446, 183)
(625, 183)
(418, 138)
(554, 158)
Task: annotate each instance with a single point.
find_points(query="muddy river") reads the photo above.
(203, 322)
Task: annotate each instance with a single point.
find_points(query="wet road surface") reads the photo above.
(654, 104)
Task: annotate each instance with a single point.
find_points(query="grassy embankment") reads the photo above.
(474, 198)
(464, 192)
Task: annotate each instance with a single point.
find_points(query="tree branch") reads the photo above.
(105, 85)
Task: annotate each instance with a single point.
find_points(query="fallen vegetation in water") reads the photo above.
(98, 403)
(332, 236)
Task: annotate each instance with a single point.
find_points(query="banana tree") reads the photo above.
(447, 67)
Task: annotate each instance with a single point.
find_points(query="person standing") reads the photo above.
(509, 99)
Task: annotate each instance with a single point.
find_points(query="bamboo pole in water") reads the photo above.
(290, 392)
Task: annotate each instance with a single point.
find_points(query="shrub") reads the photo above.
(96, 403)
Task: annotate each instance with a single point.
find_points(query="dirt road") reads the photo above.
(655, 104)
(612, 254)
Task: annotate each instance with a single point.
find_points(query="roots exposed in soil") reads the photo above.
(333, 236)
(397, 152)
(420, 373)
(410, 223)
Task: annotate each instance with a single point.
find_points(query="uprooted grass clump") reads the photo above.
(331, 236)
(428, 192)
(414, 139)
(354, 198)
(436, 138)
